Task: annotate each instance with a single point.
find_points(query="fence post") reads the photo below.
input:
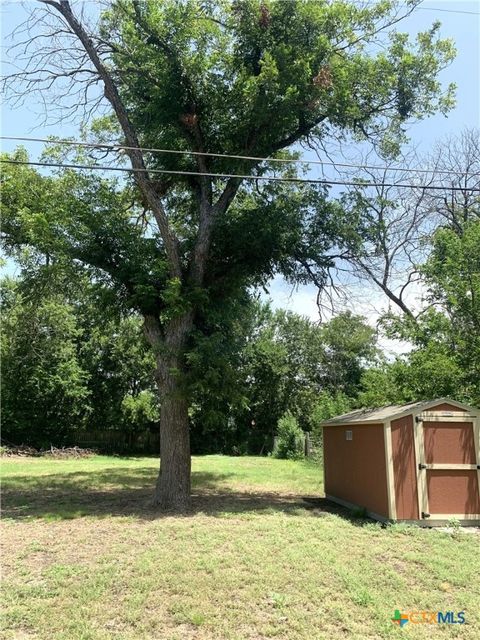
(308, 445)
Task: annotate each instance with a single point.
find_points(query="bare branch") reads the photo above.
(136, 156)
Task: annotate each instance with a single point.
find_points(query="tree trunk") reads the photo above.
(173, 484)
(172, 491)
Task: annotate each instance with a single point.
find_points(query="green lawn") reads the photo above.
(86, 556)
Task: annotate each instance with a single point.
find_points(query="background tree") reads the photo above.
(388, 229)
(289, 364)
(386, 234)
(45, 393)
(349, 344)
(459, 158)
(248, 78)
(71, 362)
(119, 364)
(445, 360)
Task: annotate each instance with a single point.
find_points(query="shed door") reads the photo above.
(448, 465)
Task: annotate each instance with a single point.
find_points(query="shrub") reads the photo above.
(290, 439)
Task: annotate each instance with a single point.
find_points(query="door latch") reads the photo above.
(422, 466)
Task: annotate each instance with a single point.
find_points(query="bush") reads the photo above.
(290, 439)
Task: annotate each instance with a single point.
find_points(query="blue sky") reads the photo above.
(464, 28)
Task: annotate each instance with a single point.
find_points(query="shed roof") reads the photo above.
(390, 411)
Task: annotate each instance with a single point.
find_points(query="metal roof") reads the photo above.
(390, 411)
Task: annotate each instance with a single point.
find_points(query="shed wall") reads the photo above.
(404, 468)
(355, 470)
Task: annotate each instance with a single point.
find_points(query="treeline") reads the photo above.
(74, 361)
(75, 358)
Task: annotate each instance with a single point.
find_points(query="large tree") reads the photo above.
(245, 78)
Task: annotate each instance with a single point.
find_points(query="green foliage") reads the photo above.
(445, 338)
(68, 362)
(329, 405)
(349, 343)
(381, 386)
(290, 439)
(265, 363)
(241, 77)
(235, 68)
(453, 276)
(120, 367)
(245, 369)
(44, 389)
(250, 78)
(141, 410)
(78, 218)
(445, 359)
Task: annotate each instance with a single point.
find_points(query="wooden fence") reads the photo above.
(116, 441)
(148, 442)
(312, 445)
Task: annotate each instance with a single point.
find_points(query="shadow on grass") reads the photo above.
(128, 492)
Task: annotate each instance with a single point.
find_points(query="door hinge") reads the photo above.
(425, 515)
(422, 466)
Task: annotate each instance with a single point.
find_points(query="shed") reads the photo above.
(417, 462)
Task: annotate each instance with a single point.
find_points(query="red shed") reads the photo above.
(417, 462)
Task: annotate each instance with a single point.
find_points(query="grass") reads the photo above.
(85, 556)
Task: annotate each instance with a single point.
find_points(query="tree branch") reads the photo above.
(135, 155)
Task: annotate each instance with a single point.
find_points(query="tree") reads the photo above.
(349, 344)
(451, 325)
(383, 385)
(246, 78)
(389, 229)
(445, 358)
(57, 308)
(290, 364)
(385, 239)
(280, 372)
(45, 393)
(458, 158)
(290, 439)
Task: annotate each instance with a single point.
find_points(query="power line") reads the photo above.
(118, 147)
(470, 13)
(240, 176)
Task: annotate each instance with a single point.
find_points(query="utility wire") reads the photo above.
(241, 177)
(118, 147)
(470, 13)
